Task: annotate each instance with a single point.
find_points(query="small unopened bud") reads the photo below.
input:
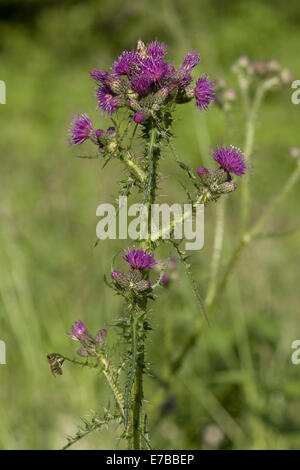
(142, 285)
(132, 95)
(100, 337)
(259, 68)
(227, 187)
(111, 131)
(230, 94)
(190, 92)
(243, 61)
(120, 278)
(159, 98)
(273, 66)
(294, 152)
(82, 352)
(115, 84)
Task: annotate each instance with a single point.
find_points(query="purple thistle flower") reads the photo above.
(106, 100)
(203, 93)
(154, 68)
(123, 65)
(231, 159)
(156, 50)
(81, 128)
(79, 331)
(141, 83)
(139, 259)
(99, 75)
(191, 60)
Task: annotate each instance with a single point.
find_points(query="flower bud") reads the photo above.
(227, 187)
(120, 278)
(294, 152)
(142, 286)
(100, 337)
(82, 352)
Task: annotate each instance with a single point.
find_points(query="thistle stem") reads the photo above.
(109, 375)
(251, 116)
(217, 250)
(134, 167)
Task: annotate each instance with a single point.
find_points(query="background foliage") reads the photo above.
(238, 387)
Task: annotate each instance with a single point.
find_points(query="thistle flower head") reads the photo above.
(81, 128)
(107, 100)
(156, 50)
(141, 83)
(191, 60)
(99, 75)
(231, 159)
(154, 68)
(139, 259)
(124, 63)
(203, 93)
(79, 331)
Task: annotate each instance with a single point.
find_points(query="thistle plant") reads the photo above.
(143, 89)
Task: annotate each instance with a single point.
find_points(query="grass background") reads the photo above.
(238, 388)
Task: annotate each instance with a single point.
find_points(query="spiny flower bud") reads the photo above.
(116, 84)
(100, 337)
(159, 98)
(82, 352)
(142, 286)
(120, 278)
(132, 95)
(189, 92)
(226, 187)
(134, 105)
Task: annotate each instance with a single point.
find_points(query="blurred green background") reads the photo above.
(238, 388)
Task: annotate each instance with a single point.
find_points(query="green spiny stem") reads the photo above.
(153, 144)
(110, 377)
(153, 148)
(138, 398)
(133, 366)
(203, 198)
(134, 167)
